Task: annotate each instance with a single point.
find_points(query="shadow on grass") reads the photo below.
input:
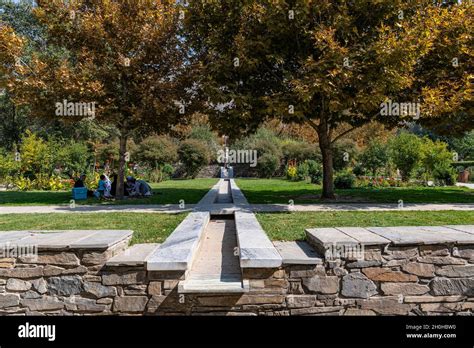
(282, 191)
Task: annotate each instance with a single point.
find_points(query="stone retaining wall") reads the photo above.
(409, 280)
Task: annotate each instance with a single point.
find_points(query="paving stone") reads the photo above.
(364, 236)
(323, 285)
(300, 253)
(65, 286)
(130, 304)
(324, 238)
(102, 239)
(419, 269)
(448, 286)
(387, 275)
(18, 285)
(136, 255)
(404, 289)
(358, 285)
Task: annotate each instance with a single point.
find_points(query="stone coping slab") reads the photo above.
(211, 196)
(400, 235)
(66, 239)
(237, 195)
(256, 249)
(136, 255)
(179, 249)
(298, 253)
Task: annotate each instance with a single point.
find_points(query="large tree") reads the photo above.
(329, 64)
(128, 57)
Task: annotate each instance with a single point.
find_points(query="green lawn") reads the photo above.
(291, 226)
(167, 192)
(281, 191)
(148, 228)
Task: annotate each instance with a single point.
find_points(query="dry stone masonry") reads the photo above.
(336, 271)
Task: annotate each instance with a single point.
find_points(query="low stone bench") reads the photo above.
(63, 240)
(324, 238)
(177, 252)
(256, 249)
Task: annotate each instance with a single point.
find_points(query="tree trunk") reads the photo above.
(122, 167)
(328, 169)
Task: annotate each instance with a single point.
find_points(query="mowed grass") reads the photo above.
(264, 191)
(291, 226)
(166, 192)
(146, 227)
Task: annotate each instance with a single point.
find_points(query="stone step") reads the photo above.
(231, 285)
(136, 255)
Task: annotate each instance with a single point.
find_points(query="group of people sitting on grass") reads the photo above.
(107, 189)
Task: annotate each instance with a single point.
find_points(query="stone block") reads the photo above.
(18, 285)
(65, 286)
(61, 258)
(387, 275)
(45, 303)
(98, 290)
(419, 269)
(130, 304)
(386, 306)
(322, 284)
(300, 301)
(448, 286)
(358, 285)
(456, 271)
(123, 278)
(154, 288)
(404, 289)
(9, 300)
(23, 273)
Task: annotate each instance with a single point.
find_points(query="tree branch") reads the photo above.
(343, 133)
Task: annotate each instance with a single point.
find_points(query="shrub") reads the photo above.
(302, 171)
(299, 151)
(344, 180)
(405, 153)
(291, 172)
(194, 155)
(444, 174)
(374, 157)
(315, 172)
(344, 153)
(156, 151)
(267, 165)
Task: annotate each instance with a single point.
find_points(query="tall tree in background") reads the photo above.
(125, 56)
(329, 64)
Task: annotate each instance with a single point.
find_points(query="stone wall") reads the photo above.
(410, 280)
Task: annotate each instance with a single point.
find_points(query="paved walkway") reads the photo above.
(463, 184)
(229, 208)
